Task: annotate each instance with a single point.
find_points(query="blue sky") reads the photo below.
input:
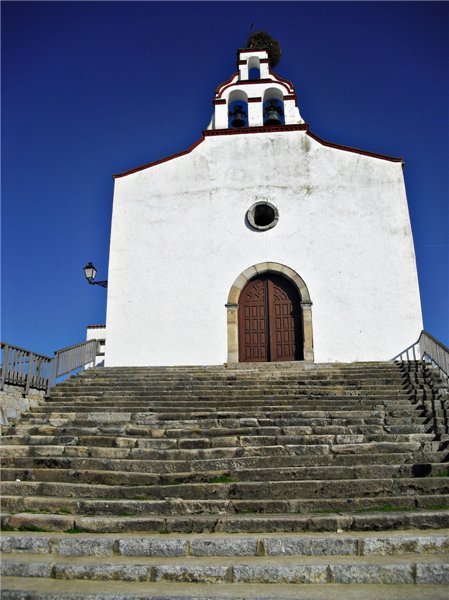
(95, 88)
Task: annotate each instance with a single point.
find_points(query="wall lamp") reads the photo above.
(90, 271)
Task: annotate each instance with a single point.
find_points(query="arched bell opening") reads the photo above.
(254, 68)
(273, 108)
(237, 109)
(269, 316)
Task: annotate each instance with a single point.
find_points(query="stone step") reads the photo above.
(357, 414)
(19, 458)
(191, 448)
(198, 431)
(191, 404)
(378, 414)
(241, 404)
(318, 371)
(213, 392)
(343, 392)
(203, 427)
(250, 569)
(357, 543)
(243, 379)
(281, 369)
(21, 588)
(227, 420)
(269, 403)
(230, 421)
(143, 449)
(188, 510)
(167, 517)
(239, 490)
(126, 478)
(220, 424)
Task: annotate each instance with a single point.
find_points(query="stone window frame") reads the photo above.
(232, 306)
(251, 212)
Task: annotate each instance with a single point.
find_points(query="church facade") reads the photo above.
(261, 242)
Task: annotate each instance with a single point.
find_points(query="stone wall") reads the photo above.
(14, 402)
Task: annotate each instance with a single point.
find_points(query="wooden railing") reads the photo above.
(28, 369)
(428, 349)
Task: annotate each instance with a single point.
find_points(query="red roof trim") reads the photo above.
(221, 101)
(246, 81)
(255, 99)
(286, 81)
(244, 130)
(162, 160)
(355, 150)
(96, 326)
(247, 50)
(278, 128)
(226, 82)
(251, 82)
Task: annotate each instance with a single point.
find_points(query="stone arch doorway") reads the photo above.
(270, 320)
(293, 286)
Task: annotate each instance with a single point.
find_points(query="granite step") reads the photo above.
(250, 570)
(21, 588)
(362, 543)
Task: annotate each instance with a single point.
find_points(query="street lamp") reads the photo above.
(90, 271)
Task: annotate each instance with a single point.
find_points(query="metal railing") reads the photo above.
(24, 368)
(428, 349)
(31, 370)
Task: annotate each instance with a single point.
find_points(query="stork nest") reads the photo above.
(261, 40)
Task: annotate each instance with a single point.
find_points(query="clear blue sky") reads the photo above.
(94, 88)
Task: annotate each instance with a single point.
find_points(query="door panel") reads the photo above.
(252, 327)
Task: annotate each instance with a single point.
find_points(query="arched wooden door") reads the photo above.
(270, 321)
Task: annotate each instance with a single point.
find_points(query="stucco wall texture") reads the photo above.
(179, 240)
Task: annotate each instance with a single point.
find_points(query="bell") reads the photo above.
(272, 118)
(238, 120)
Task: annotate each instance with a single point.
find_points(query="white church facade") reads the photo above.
(261, 242)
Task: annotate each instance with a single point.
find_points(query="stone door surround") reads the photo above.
(232, 306)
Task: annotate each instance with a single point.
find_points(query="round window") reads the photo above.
(262, 215)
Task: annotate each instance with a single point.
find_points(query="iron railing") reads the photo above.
(31, 370)
(428, 349)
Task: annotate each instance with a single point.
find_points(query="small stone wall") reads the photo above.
(14, 402)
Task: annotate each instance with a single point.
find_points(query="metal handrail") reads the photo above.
(29, 369)
(71, 358)
(427, 348)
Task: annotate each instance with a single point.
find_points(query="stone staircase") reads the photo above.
(277, 474)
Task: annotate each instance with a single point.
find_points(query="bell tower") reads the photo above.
(255, 96)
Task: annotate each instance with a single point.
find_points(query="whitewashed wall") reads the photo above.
(97, 332)
(179, 240)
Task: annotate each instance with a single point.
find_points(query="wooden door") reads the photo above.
(270, 321)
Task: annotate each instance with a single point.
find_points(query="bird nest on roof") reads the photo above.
(261, 40)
